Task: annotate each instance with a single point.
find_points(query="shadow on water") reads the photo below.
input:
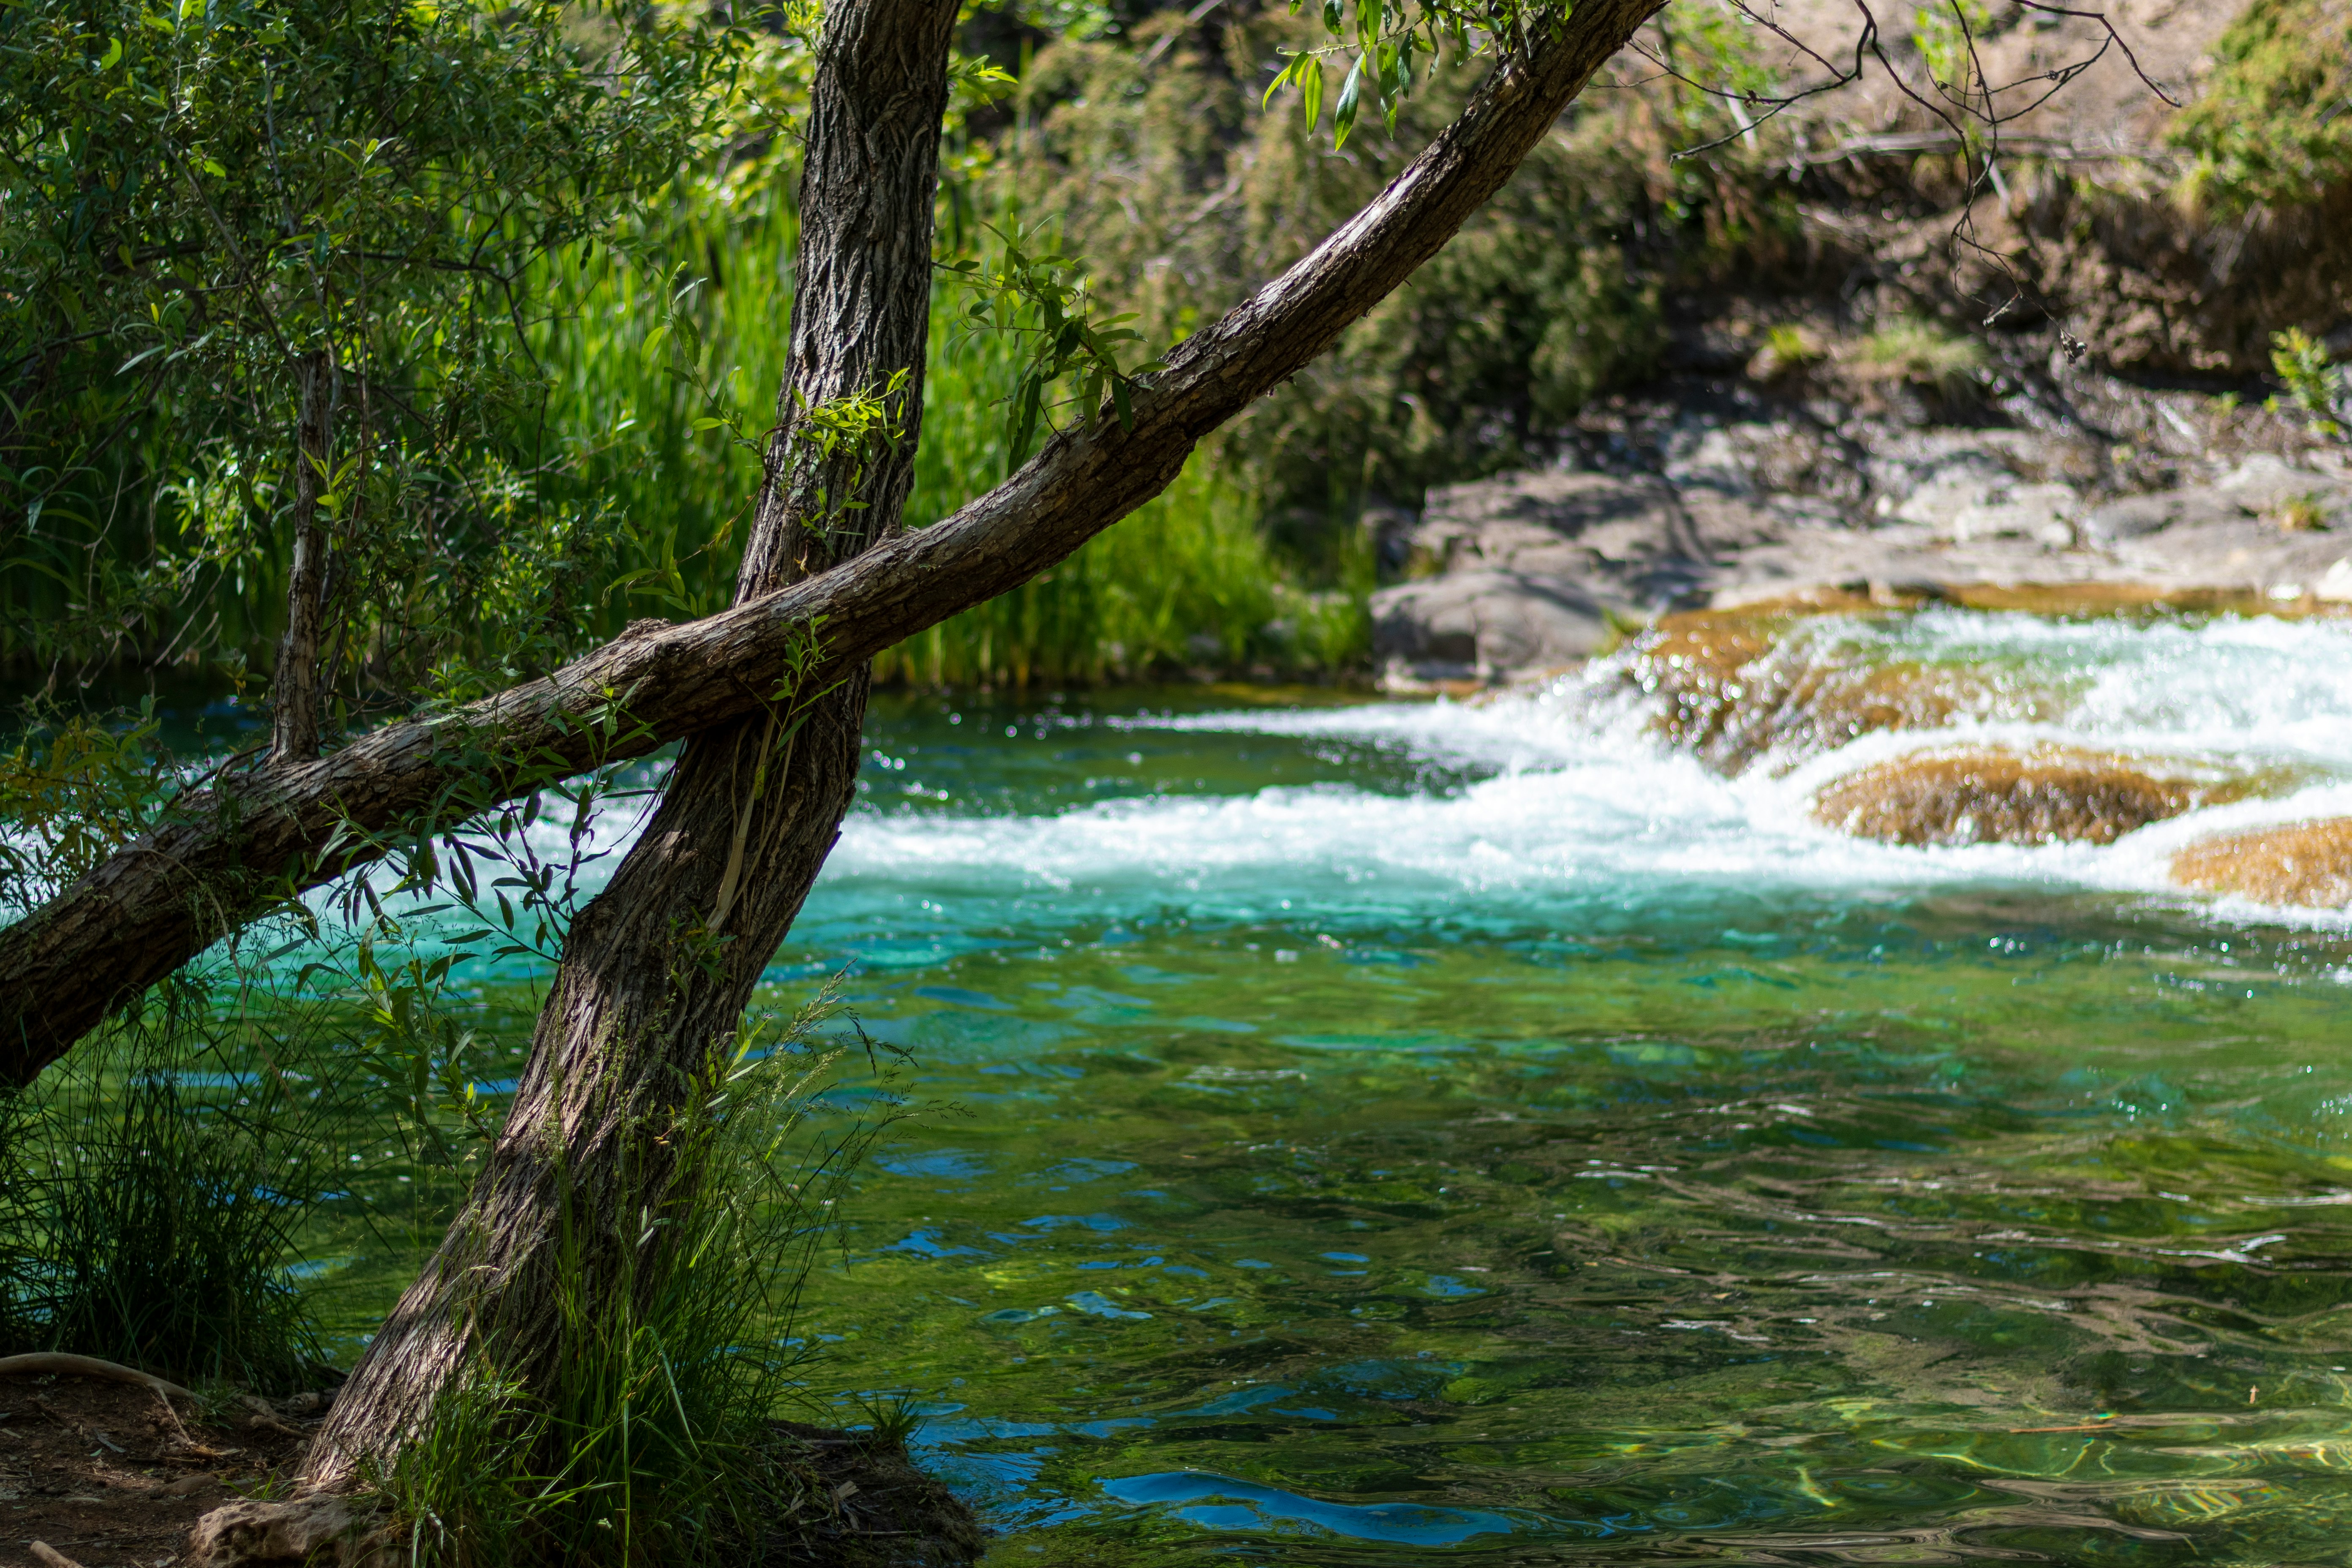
(2014, 1229)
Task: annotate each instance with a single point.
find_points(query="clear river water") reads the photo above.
(1377, 1132)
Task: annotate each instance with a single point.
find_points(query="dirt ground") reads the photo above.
(108, 1474)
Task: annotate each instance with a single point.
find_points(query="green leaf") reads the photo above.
(1312, 80)
(1343, 114)
(1288, 74)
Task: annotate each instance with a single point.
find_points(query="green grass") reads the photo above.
(158, 1179)
(1188, 582)
(645, 1438)
(1909, 349)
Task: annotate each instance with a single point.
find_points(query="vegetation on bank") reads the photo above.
(2273, 126)
(593, 462)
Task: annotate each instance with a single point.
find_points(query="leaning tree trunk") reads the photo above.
(658, 970)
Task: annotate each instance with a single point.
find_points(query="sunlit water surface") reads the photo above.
(1393, 1132)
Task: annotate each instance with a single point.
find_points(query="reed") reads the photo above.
(650, 1440)
(160, 1181)
(626, 487)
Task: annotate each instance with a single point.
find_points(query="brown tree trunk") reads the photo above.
(294, 687)
(658, 968)
(223, 854)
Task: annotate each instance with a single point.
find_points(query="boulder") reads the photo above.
(1474, 625)
(2039, 513)
(1523, 571)
(2262, 488)
(2307, 864)
(2134, 517)
(1625, 541)
(1967, 481)
(1996, 795)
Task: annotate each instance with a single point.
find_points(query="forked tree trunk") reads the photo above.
(657, 969)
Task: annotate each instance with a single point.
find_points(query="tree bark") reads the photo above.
(294, 687)
(223, 854)
(658, 968)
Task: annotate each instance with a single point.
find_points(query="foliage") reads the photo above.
(1788, 347)
(1042, 297)
(73, 790)
(2274, 124)
(1910, 349)
(159, 1181)
(1945, 35)
(209, 208)
(1188, 580)
(1162, 166)
(2316, 387)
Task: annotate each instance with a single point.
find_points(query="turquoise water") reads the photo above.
(1371, 1133)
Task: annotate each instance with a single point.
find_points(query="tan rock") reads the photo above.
(323, 1528)
(1997, 795)
(2301, 863)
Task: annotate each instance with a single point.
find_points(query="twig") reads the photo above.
(1191, 19)
(88, 1366)
(49, 1556)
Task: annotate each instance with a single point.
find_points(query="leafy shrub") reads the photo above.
(1910, 349)
(2316, 386)
(2274, 126)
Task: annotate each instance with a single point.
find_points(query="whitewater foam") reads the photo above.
(1582, 801)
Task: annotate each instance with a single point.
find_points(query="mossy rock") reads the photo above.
(1995, 796)
(2305, 864)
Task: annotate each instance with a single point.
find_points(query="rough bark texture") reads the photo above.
(226, 851)
(294, 688)
(658, 968)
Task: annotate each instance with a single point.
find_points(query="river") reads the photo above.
(1378, 1133)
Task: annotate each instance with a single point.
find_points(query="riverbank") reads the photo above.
(2052, 490)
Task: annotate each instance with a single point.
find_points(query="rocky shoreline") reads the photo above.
(1735, 501)
(1696, 557)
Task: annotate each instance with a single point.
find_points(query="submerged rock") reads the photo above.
(2309, 864)
(1736, 685)
(1996, 795)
